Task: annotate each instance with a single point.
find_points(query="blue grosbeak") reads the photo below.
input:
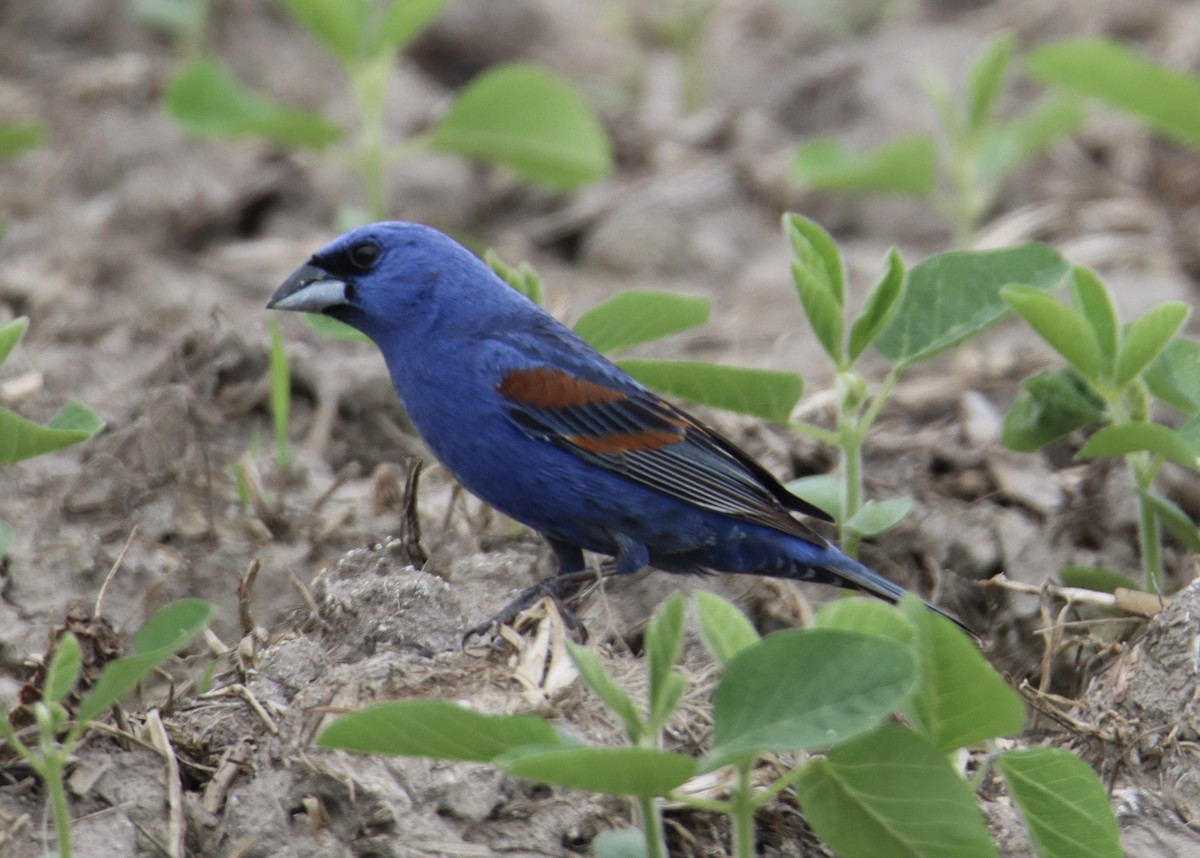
(536, 422)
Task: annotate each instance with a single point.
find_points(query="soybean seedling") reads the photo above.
(1112, 372)
(974, 152)
(896, 319)
(862, 661)
(23, 439)
(1164, 99)
(518, 116)
(163, 635)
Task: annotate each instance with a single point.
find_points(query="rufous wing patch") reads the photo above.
(544, 387)
(625, 442)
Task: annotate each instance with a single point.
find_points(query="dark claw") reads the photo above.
(561, 588)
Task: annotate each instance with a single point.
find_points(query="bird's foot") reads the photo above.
(560, 588)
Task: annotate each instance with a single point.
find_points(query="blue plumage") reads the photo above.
(536, 422)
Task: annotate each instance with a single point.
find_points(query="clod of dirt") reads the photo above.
(1145, 711)
(369, 598)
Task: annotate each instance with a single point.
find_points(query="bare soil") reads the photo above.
(143, 258)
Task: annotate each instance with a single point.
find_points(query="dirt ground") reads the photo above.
(143, 258)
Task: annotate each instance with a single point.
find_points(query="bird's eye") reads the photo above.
(364, 255)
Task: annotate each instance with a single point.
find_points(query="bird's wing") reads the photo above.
(610, 421)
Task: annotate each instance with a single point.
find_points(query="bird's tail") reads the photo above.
(856, 576)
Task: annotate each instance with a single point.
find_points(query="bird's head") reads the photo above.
(395, 281)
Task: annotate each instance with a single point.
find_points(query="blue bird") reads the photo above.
(534, 421)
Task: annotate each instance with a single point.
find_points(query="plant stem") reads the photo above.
(58, 802)
(652, 827)
(817, 432)
(850, 455)
(743, 813)
(1149, 527)
(369, 83)
(852, 432)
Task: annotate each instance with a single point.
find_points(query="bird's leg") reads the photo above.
(632, 556)
(572, 578)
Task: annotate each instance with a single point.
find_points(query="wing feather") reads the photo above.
(631, 431)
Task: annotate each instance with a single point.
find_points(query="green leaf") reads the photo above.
(341, 25)
(961, 700)
(403, 22)
(645, 772)
(76, 418)
(824, 313)
(1094, 302)
(11, 334)
(331, 327)
(1146, 339)
(638, 316)
(766, 393)
(954, 124)
(205, 100)
(606, 688)
(1066, 331)
(434, 728)
(1177, 522)
(985, 80)
(625, 843)
(526, 119)
(824, 491)
(1136, 436)
(724, 627)
(1190, 432)
(523, 278)
(1006, 146)
(1175, 376)
(281, 392)
(170, 629)
(16, 137)
(849, 683)
(903, 166)
(1165, 100)
(163, 635)
(892, 793)
(663, 642)
(953, 296)
(1063, 802)
(866, 616)
(63, 673)
(882, 304)
(877, 516)
(1050, 405)
(1101, 579)
(815, 249)
(21, 439)
(822, 310)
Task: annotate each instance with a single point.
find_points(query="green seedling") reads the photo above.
(58, 734)
(961, 171)
(1168, 101)
(17, 137)
(281, 400)
(830, 688)
(1113, 371)
(517, 116)
(22, 439)
(962, 286)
